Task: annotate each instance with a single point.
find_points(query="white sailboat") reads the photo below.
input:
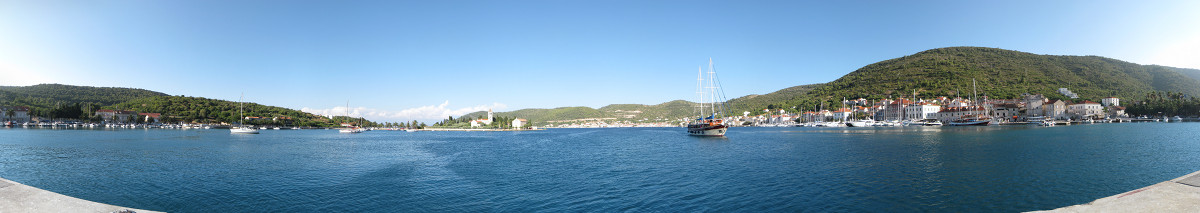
(709, 108)
(352, 129)
(241, 128)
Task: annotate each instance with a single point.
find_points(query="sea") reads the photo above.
(752, 169)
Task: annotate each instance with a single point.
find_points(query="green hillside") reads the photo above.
(79, 102)
(1194, 73)
(755, 103)
(663, 112)
(947, 72)
(999, 74)
(189, 109)
(47, 96)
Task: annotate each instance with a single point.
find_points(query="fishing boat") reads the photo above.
(710, 107)
(241, 129)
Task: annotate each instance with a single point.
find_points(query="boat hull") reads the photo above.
(705, 130)
(970, 123)
(243, 131)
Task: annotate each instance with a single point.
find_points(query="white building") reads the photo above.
(483, 122)
(1110, 101)
(518, 123)
(921, 111)
(18, 114)
(1085, 109)
(119, 116)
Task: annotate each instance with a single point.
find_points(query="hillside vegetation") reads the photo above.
(947, 72)
(664, 112)
(46, 96)
(998, 74)
(80, 102)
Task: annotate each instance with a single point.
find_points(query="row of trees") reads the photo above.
(1165, 104)
(500, 122)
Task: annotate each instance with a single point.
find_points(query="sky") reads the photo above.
(425, 60)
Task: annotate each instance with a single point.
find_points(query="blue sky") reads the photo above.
(405, 60)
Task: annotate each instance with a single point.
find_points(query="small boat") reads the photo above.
(860, 123)
(277, 128)
(240, 129)
(710, 109)
(930, 122)
(296, 128)
(410, 130)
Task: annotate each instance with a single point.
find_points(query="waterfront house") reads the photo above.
(150, 117)
(1033, 104)
(119, 116)
(518, 123)
(19, 114)
(921, 111)
(1055, 109)
(1115, 111)
(1006, 111)
(1085, 110)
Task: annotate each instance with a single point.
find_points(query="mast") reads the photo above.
(240, 114)
(712, 89)
(700, 90)
(974, 93)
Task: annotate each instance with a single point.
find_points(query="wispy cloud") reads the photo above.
(424, 113)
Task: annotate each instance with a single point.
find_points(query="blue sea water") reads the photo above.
(885, 169)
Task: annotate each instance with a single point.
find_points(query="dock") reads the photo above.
(1178, 195)
(17, 197)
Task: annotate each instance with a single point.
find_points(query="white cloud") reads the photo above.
(429, 113)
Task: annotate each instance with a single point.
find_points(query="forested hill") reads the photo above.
(80, 102)
(998, 73)
(49, 95)
(664, 112)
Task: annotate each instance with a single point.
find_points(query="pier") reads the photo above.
(17, 197)
(1178, 195)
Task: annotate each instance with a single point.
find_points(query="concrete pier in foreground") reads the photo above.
(17, 197)
(1179, 195)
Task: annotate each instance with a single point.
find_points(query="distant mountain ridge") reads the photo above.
(949, 71)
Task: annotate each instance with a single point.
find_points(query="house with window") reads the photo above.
(1085, 110)
(118, 116)
(18, 114)
(518, 123)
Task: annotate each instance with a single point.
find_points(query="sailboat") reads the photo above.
(710, 110)
(973, 119)
(241, 128)
(352, 129)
